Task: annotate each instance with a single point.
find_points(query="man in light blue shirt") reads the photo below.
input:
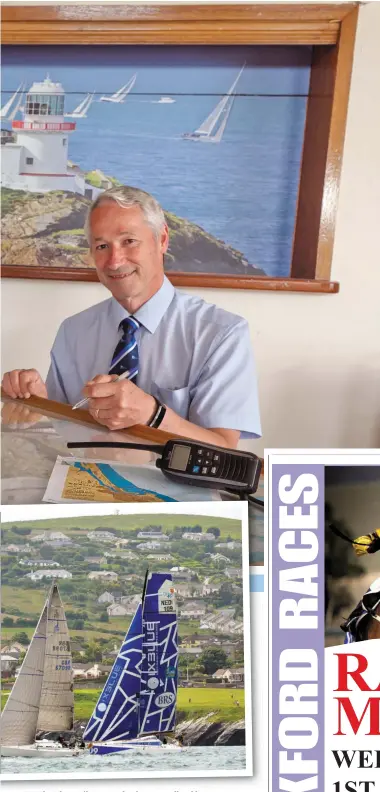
(194, 359)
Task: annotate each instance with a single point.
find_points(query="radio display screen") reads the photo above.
(179, 457)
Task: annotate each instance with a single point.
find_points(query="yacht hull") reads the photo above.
(37, 750)
(147, 743)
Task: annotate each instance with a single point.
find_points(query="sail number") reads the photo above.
(64, 665)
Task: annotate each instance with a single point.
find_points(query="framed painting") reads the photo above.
(233, 119)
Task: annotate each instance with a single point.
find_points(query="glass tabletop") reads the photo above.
(33, 438)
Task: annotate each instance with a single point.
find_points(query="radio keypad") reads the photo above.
(206, 462)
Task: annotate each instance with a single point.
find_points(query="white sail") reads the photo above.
(4, 110)
(57, 698)
(206, 128)
(81, 110)
(80, 106)
(120, 95)
(219, 134)
(209, 123)
(20, 714)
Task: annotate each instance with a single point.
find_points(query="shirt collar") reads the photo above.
(151, 313)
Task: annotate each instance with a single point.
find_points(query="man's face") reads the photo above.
(127, 254)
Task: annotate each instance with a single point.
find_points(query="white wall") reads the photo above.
(318, 356)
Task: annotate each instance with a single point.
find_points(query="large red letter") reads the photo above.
(374, 716)
(356, 674)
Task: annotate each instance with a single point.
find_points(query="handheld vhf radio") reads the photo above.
(200, 464)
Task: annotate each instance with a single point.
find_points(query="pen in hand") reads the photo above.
(82, 402)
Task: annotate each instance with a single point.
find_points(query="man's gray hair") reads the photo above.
(126, 197)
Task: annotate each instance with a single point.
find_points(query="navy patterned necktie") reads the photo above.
(126, 355)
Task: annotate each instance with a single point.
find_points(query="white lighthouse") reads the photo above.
(36, 160)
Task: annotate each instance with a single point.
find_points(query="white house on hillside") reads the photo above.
(130, 603)
(8, 663)
(90, 670)
(40, 562)
(193, 610)
(152, 535)
(233, 572)
(106, 597)
(101, 536)
(187, 590)
(198, 537)
(49, 573)
(181, 573)
(159, 557)
(117, 610)
(102, 575)
(149, 546)
(15, 649)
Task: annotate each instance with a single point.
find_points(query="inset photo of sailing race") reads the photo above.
(125, 641)
(214, 133)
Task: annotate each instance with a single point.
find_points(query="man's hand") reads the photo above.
(118, 404)
(23, 383)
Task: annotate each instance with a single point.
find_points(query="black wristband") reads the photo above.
(158, 416)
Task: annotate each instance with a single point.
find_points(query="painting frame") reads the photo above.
(330, 31)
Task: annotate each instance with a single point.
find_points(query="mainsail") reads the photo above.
(81, 110)
(120, 95)
(42, 697)
(209, 123)
(139, 697)
(4, 110)
(115, 716)
(57, 697)
(20, 714)
(158, 695)
(219, 114)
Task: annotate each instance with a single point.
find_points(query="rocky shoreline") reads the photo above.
(201, 731)
(46, 230)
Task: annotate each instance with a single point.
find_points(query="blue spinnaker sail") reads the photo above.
(158, 692)
(115, 716)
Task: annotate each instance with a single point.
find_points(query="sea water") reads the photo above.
(190, 758)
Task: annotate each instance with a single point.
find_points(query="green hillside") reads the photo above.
(127, 522)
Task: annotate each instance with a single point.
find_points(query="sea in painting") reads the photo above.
(214, 133)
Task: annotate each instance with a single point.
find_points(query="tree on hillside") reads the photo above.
(215, 531)
(225, 596)
(93, 652)
(46, 552)
(76, 624)
(20, 530)
(212, 659)
(20, 637)
(177, 532)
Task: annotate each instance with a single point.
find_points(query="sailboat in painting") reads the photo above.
(6, 113)
(42, 697)
(138, 702)
(212, 128)
(121, 94)
(81, 110)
